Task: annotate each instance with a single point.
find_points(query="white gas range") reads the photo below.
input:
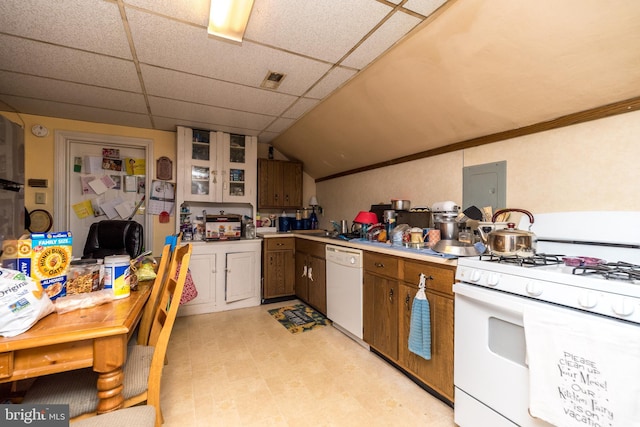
(493, 347)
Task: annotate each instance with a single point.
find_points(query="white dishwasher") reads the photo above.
(344, 290)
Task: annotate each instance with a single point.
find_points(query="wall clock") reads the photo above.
(39, 131)
(40, 221)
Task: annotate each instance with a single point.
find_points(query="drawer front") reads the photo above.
(311, 247)
(381, 264)
(280, 244)
(438, 278)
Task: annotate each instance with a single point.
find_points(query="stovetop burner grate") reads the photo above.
(611, 271)
(537, 260)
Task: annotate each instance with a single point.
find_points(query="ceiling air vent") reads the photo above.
(273, 80)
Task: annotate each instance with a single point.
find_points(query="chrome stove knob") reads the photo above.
(588, 300)
(534, 289)
(623, 307)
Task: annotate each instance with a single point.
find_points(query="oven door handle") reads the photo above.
(496, 299)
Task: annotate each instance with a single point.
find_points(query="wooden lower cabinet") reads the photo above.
(278, 267)
(380, 303)
(390, 285)
(437, 373)
(311, 274)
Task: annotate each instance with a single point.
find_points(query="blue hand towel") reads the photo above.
(420, 328)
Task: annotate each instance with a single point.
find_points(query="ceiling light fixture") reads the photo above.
(229, 18)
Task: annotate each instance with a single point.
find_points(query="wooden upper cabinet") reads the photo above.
(279, 184)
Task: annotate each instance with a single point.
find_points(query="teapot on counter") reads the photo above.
(510, 241)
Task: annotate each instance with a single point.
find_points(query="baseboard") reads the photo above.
(413, 378)
(278, 299)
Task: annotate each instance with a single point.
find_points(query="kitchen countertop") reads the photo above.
(379, 247)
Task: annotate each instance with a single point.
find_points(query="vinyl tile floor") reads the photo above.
(242, 368)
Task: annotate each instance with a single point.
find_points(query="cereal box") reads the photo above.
(45, 257)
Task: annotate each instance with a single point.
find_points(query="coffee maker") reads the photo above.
(444, 219)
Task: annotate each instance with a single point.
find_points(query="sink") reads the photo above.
(320, 233)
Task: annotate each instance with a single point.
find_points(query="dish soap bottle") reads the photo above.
(314, 219)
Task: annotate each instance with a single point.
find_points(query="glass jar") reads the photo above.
(250, 230)
(83, 276)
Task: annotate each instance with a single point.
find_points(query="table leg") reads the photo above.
(110, 386)
(108, 360)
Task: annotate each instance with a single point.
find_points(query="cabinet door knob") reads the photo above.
(391, 294)
(406, 301)
(310, 274)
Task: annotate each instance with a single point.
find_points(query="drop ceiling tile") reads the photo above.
(330, 82)
(424, 7)
(70, 93)
(207, 114)
(169, 44)
(202, 90)
(88, 25)
(386, 36)
(325, 29)
(195, 11)
(74, 112)
(280, 125)
(300, 107)
(67, 64)
(169, 124)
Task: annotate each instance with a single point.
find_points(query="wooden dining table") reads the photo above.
(94, 337)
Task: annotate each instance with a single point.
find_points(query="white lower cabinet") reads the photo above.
(226, 275)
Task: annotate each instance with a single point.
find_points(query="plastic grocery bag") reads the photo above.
(22, 302)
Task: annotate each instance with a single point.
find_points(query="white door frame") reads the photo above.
(63, 139)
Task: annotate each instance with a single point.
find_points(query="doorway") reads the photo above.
(79, 163)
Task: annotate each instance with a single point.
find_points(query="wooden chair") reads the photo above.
(143, 368)
(158, 286)
(166, 269)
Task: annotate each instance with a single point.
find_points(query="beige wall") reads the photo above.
(589, 166)
(39, 158)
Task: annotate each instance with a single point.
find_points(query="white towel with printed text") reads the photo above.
(584, 370)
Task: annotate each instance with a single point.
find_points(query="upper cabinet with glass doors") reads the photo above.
(217, 166)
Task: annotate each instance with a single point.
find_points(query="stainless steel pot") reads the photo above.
(510, 241)
(400, 205)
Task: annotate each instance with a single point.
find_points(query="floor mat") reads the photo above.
(298, 318)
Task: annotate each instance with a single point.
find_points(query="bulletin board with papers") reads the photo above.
(111, 185)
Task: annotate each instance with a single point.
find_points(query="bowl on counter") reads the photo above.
(457, 248)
